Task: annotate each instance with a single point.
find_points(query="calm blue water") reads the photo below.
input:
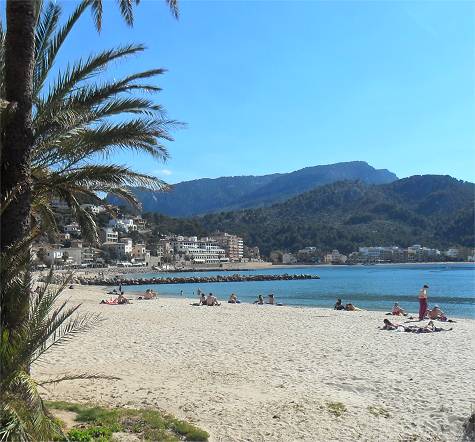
(452, 286)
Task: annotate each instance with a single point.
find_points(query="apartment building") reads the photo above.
(417, 253)
(381, 254)
(335, 257)
(140, 253)
(233, 245)
(110, 235)
(72, 228)
(199, 251)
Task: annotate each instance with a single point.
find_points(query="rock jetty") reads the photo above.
(191, 279)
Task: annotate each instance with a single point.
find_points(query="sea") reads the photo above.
(373, 287)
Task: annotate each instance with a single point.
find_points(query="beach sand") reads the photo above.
(267, 373)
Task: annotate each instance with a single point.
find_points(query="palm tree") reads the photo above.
(28, 49)
(77, 119)
(47, 323)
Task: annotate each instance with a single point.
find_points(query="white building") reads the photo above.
(123, 224)
(72, 228)
(381, 254)
(93, 208)
(110, 235)
(335, 257)
(452, 253)
(202, 251)
(288, 258)
(127, 245)
(53, 256)
(419, 253)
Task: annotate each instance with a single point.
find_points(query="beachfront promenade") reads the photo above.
(265, 373)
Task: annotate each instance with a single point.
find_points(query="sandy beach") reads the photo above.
(267, 373)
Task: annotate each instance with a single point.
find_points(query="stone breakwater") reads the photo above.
(191, 279)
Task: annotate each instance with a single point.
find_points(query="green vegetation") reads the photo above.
(436, 211)
(99, 424)
(336, 408)
(92, 116)
(46, 323)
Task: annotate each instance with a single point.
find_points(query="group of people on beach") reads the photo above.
(348, 307)
(122, 299)
(211, 300)
(424, 313)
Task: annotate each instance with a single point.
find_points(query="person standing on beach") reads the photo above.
(423, 302)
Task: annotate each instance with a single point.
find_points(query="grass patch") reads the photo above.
(336, 408)
(378, 411)
(98, 424)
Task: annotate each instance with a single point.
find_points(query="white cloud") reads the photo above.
(161, 172)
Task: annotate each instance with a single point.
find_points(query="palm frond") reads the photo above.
(47, 57)
(75, 377)
(126, 10)
(84, 69)
(46, 26)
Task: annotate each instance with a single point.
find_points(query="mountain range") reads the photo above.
(433, 210)
(203, 196)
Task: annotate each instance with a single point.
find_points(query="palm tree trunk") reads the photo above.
(17, 139)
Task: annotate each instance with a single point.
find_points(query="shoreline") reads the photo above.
(242, 267)
(170, 296)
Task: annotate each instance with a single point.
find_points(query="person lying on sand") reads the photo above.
(436, 313)
(397, 311)
(122, 299)
(149, 294)
(388, 325)
(211, 300)
(429, 328)
(109, 301)
(260, 300)
(339, 305)
(233, 299)
(350, 307)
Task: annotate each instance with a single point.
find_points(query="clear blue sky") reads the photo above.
(276, 86)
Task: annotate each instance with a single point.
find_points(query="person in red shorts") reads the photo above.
(423, 301)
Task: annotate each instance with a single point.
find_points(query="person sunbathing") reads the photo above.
(436, 313)
(202, 299)
(388, 325)
(397, 311)
(339, 305)
(350, 307)
(122, 299)
(260, 300)
(149, 294)
(431, 328)
(211, 300)
(270, 299)
(233, 299)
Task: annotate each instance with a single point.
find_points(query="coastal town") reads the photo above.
(127, 240)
